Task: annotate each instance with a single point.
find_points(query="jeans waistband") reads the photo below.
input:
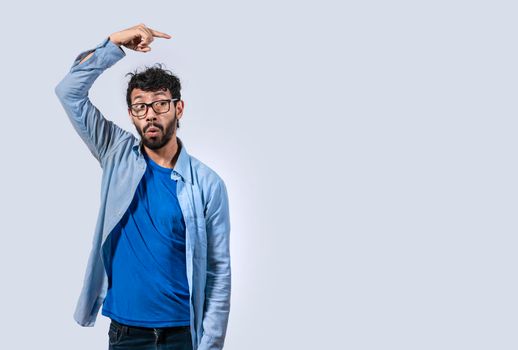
(149, 329)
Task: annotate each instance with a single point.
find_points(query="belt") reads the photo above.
(127, 329)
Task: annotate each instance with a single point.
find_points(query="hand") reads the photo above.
(137, 38)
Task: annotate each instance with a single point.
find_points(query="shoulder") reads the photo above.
(210, 186)
(211, 189)
(203, 175)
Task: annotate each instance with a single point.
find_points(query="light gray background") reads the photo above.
(369, 151)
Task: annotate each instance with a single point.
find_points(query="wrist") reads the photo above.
(114, 40)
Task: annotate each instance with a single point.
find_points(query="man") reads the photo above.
(160, 261)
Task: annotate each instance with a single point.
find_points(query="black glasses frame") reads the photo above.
(151, 105)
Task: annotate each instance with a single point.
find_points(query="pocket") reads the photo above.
(114, 334)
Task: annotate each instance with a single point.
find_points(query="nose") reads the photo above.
(150, 115)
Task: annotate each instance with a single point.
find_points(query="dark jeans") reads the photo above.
(125, 337)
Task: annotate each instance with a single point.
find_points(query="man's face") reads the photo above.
(156, 130)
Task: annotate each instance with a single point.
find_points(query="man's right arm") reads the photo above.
(99, 134)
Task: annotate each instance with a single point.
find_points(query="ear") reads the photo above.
(180, 105)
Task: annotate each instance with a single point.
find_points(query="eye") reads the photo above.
(139, 106)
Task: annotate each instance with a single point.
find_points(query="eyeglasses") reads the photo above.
(139, 110)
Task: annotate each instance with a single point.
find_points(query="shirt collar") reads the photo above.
(182, 166)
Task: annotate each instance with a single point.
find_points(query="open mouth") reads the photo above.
(152, 131)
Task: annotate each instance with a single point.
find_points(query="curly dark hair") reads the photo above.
(153, 79)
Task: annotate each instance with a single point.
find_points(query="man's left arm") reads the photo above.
(217, 290)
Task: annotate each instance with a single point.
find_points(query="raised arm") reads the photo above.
(100, 134)
(97, 132)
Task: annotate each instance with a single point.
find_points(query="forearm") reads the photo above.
(217, 309)
(86, 68)
(87, 57)
(91, 54)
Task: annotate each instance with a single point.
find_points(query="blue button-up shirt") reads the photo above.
(201, 192)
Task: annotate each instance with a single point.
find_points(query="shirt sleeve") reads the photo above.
(218, 287)
(98, 133)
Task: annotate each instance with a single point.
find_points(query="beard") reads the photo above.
(161, 139)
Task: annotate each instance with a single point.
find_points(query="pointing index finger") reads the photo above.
(160, 34)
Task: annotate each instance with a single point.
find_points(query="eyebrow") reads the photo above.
(155, 93)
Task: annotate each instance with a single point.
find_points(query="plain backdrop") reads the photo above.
(368, 148)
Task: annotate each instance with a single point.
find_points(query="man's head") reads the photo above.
(155, 85)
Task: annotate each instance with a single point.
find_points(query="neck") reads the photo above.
(167, 155)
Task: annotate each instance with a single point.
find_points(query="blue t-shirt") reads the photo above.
(147, 275)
